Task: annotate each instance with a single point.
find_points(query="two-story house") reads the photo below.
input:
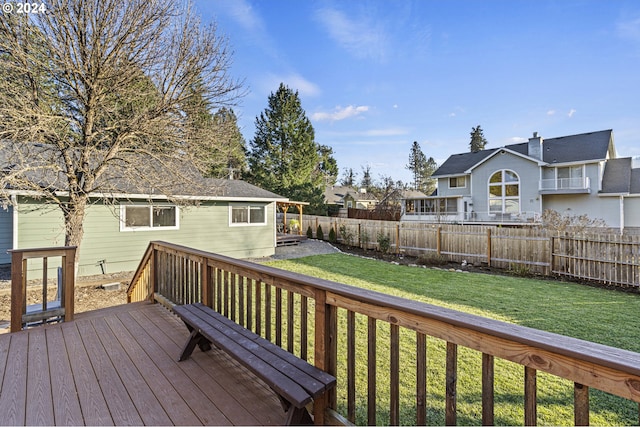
(576, 175)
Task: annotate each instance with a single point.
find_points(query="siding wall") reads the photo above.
(205, 227)
(6, 234)
(528, 172)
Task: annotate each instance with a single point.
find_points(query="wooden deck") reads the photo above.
(118, 366)
(283, 239)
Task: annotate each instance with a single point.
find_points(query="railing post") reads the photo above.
(18, 290)
(69, 282)
(451, 384)
(580, 405)
(325, 351)
(530, 392)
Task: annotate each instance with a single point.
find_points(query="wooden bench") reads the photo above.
(296, 382)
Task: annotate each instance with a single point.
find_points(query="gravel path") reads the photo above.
(305, 248)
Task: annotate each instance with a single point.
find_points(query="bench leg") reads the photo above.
(298, 416)
(194, 339)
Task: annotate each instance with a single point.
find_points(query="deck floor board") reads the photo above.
(119, 366)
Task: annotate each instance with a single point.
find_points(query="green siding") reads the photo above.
(6, 234)
(203, 227)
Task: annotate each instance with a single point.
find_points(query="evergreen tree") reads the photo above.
(367, 181)
(349, 179)
(284, 157)
(229, 158)
(429, 184)
(478, 141)
(422, 169)
(417, 163)
(328, 166)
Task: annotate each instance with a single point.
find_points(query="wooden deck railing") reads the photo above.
(328, 323)
(63, 308)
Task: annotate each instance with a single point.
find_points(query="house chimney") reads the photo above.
(535, 146)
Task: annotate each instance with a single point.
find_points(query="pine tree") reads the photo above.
(284, 157)
(349, 179)
(429, 184)
(366, 182)
(478, 141)
(417, 163)
(229, 158)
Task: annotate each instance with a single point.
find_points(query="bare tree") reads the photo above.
(97, 93)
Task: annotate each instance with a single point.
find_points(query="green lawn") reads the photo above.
(598, 315)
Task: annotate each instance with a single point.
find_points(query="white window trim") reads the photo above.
(123, 212)
(504, 197)
(247, 224)
(458, 177)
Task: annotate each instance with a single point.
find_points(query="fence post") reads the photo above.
(489, 247)
(551, 245)
(360, 235)
(438, 236)
(397, 239)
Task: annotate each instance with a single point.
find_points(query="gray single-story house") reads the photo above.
(229, 217)
(575, 175)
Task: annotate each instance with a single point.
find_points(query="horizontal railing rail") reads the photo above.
(338, 326)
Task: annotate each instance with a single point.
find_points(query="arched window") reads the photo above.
(504, 192)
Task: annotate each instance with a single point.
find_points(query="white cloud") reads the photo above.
(551, 112)
(362, 37)
(340, 113)
(571, 112)
(517, 140)
(629, 29)
(243, 13)
(294, 81)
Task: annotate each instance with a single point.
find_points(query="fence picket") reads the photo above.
(601, 256)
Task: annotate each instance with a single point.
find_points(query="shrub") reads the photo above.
(519, 269)
(332, 235)
(346, 235)
(319, 233)
(384, 243)
(309, 232)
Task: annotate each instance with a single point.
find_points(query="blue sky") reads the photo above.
(374, 76)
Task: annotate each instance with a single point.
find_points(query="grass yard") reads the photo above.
(603, 316)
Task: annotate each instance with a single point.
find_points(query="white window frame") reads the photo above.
(457, 178)
(248, 206)
(504, 198)
(123, 217)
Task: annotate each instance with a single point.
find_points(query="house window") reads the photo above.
(148, 217)
(504, 192)
(457, 182)
(248, 215)
(570, 177)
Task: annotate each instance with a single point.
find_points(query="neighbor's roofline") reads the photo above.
(155, 196)
(507, 150)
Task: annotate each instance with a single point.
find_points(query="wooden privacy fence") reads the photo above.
(377, 345)
(604, 257)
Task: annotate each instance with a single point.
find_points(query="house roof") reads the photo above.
(620, 177)
(334, 195)
(578, 148)
(566, 149)
(33, 168)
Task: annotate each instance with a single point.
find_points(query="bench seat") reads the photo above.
(295, 381)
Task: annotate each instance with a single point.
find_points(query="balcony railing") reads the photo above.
(319, 320)
(565, 184)
(472, 217)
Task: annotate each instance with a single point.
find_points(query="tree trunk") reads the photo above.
(74, 212)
